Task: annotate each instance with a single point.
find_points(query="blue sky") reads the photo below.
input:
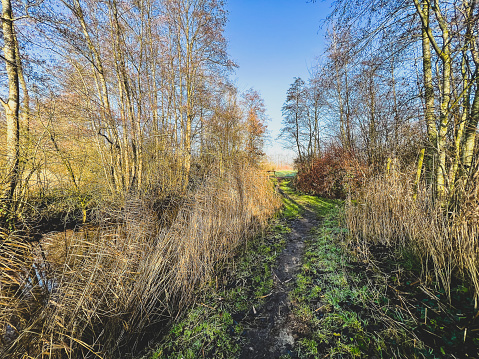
(274, 41)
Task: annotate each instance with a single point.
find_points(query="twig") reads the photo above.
(277, 277)
(207, 306)
(264, 296)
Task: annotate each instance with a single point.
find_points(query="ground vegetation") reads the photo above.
(130, 168)
(398, 138)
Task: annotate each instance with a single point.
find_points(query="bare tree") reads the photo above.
(294, 117)
(11, 105)
(255, 124)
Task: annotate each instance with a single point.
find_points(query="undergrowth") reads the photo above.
(375, 306)
(102, 289)
(212, 327)
(332, 175)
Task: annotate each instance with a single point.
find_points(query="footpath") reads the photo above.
(300, 290)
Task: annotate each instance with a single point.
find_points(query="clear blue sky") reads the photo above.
(274, 41)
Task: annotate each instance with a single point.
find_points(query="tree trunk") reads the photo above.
(106, 113)
(11, 105)
(473, 119)
(471, 128)
(444, 112)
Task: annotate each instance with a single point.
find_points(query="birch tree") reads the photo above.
(11, 105)
(195, 29)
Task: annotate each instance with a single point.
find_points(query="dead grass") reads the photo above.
(96, 291)
(446, 241)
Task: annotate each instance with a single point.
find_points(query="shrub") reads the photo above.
(333, 175)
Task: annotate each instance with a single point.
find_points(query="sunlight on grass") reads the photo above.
(296, 203)
(285, 173)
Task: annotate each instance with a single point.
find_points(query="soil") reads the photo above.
(271, 331)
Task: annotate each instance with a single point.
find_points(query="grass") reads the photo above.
(414, 241)
(324, 290)
(352, 307)
(294, 204)
(390, 213)
(328, 299)
(103, 289)
(205, 331)
(359, 307)
(212, 327)
(286, 173)
(341, 302)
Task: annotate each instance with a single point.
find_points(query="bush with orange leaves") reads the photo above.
(333, 175)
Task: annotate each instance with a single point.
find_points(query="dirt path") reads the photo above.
(299, 291)
(272, 329)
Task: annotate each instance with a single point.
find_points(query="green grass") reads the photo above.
(203, 330)
(295, 203)
(360, 309)
(208, 329)
(324, 291)
(324, 285)
(333, 295)
(286, 173)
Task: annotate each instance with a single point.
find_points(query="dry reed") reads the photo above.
(387, 213)
(94, 292)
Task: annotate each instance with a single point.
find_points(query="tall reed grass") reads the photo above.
(95, 292)
(387, 212)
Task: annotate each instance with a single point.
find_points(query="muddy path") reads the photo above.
(271, 331)
(300, 290)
